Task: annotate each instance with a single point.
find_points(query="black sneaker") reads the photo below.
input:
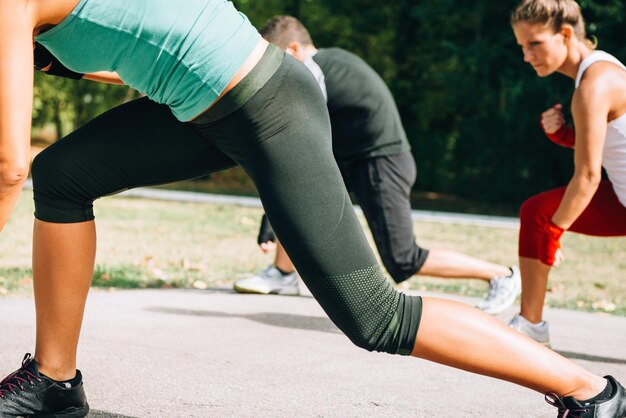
(27, 393)
(614, 407)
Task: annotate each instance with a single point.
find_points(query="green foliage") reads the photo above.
(469, 103)
(135, 277)
(67, 104)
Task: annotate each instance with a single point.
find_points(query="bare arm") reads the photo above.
(48, 63)
(104, 77)
(590, 108)
(16, 98)
(107, 77)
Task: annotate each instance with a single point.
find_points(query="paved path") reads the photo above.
(417, 215)
(214, 353)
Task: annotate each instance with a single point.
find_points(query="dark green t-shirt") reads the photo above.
(364, 117)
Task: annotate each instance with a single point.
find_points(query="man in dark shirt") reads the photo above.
(373, 154)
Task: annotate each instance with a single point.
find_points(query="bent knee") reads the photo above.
(56, 192)
(399, 333)
(541, 206)
(402, 266)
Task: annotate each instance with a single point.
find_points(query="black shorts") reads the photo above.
(382, 187)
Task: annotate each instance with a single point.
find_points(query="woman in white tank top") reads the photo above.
(552, 37)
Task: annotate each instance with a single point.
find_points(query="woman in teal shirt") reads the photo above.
(218, 95)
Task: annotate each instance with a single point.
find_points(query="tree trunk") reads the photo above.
(58, 123)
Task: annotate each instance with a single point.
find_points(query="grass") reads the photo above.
(235, 181)
(145, 244)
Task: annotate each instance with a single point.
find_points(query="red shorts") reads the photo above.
(605, 216)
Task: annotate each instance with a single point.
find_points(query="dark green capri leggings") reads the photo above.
(275, 125)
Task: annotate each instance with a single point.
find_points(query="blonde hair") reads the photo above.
(555, 14)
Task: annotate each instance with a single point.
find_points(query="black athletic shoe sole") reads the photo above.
(68, 413)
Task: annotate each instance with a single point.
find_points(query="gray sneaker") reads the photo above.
(269, 281)
(503, 291)
(539, 332)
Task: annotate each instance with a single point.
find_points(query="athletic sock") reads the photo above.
(602, 396)
(284, 273)
(508, 275)
(66, 383)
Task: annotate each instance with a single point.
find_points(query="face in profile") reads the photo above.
(543, 48)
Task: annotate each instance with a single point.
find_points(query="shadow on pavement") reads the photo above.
(229, 290)
(103, 414)
(311, 323)
(283, 320)
(588, 357)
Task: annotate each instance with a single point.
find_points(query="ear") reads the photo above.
(293, 47)
(568, 32)
(296, 50)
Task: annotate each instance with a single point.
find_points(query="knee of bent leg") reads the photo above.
(372, 314)
(397, 272)
(396, 333)
(402, 265)
(38, 168)
(530, 209)
(57, 197)
(537, 208)
(46, 175)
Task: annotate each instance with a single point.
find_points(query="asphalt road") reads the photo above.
(214, 353)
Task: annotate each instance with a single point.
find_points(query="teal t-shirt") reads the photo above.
(179, 53)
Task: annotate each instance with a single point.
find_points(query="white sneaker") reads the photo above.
(539, 332)
(503, 290)
(269, 281)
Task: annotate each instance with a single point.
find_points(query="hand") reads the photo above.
(558, 257)
(42, 57)
(267, 247)
(48, 63)
(266, 238)
(553, 125)
(550, 251)
(552, 119)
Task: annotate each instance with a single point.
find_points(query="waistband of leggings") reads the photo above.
(244, 90)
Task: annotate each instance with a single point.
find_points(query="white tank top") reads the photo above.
(317, 73)
(614, 152)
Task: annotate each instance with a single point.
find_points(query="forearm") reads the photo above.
(16, 93)
(49, 64)
(578, 194)
(8, 198)
(100, 76)
(590, 109)
(104, 77)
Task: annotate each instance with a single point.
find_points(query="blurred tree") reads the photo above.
(469, 103)
(68, 104)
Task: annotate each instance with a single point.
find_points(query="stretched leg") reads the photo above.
(438, 263)
(457, 335)
(283, 141)
(453, 264)
(135, 144)
(382, 186)
(310, 211)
